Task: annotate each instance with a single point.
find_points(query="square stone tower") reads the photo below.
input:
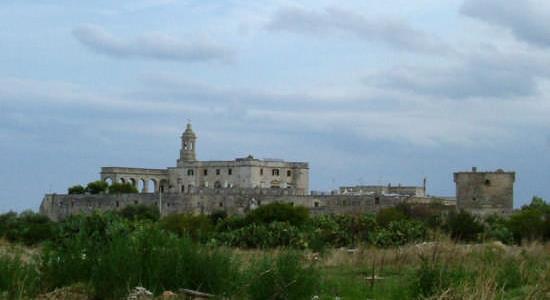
(485, 192)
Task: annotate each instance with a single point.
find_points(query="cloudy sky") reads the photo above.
(368, 92)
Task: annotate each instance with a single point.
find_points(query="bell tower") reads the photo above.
(188, 139)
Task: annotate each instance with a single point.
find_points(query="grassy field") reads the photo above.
(279, 252)
(436, 270)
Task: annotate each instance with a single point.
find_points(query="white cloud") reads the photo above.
(152, 45)
(394, 32)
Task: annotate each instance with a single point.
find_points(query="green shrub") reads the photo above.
(76, 189)
(497, 229)
(283, 277)
(18, 279)
(79, 241)
(122, 188)
(140, 212)
(341, 230)
(388, 215)
(272, 235)
(463, 226)
(399, 233)
(198, 228)
(532, 222)
(97, 187)
(278, 212)
(28, 227)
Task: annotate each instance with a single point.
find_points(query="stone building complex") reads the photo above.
(191, 175)
(236, 186)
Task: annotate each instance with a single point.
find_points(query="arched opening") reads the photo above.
(141, 186)
(109, 181)
(121, 180)
(152, 185)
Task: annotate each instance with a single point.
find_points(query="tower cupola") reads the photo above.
(188, 139)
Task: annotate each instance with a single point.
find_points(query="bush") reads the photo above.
(140, 212)
(28, 227)
(198, 228)
(122, 188)
(97, 187)
(532, 222)
(278, 212)
(387, 215)
(76, 189)
(463, 226)
(283, 277)
(272, 235)
(399, 233)
(341, 230)
(497, 229)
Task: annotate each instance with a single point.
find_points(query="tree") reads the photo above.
(76, 189)
(463, 226)
(532, 222)
(122, 188)
(97, 187)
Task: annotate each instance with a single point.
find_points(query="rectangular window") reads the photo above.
(182, 188)
(262, 172)
(275, 172)
(229, 171)
(217, 171)
(190, 172)
(288, 173)
(205, 172)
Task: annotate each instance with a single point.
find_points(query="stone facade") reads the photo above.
(485, 192)
(190, 175)
(417, 191)
(58, 207)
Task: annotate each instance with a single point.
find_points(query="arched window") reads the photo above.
(141, 186)
(152, 185)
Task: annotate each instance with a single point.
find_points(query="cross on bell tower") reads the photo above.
(188, 138)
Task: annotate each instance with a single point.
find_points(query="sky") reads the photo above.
(367, 92)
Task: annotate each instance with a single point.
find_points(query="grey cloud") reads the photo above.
(528, 20)
(153, 45)
(396, 33)
(477, 75)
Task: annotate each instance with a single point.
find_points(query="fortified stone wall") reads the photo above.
(485, 192)
(58, 207)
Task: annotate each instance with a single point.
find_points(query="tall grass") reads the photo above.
(18, 279)
(282, 277)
